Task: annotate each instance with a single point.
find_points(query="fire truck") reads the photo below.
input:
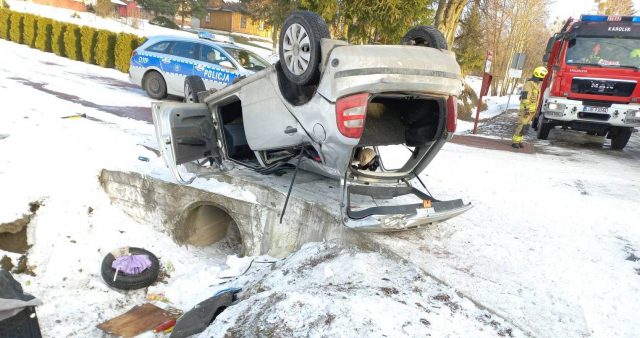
(592, 84)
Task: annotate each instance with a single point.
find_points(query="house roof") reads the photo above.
(230, 7)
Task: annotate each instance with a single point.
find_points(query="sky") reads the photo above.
(566, 8)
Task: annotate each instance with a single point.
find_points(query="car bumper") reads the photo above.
(618, 115)
(440, 211)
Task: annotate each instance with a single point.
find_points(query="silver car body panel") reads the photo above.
(375, 70)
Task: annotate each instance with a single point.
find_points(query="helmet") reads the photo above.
(540, 72)
(634, 53)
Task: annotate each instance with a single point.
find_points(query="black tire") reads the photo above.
(192, 86)
(620, 139)
(315, 29)
(426, 36)
(543, 128)
(154, 84)
(131, 282)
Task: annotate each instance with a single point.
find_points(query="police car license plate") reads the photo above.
(595, 109)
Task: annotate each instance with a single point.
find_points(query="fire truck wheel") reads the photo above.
(543, 128)
(620, 137)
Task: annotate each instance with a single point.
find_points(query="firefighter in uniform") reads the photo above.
(528, 105)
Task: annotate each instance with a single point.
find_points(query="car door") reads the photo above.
(186, 132)
(214, 67)
(177, 64)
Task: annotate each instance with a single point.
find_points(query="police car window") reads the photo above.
(211, 55)
(183, 49)
(160, 47)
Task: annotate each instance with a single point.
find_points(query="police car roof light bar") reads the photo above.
(610, 18)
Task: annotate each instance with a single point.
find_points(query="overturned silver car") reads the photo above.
(333, 109)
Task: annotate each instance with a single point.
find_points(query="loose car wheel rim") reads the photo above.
(187, 93)
(297, 49)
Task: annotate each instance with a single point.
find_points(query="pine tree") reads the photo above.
(468, 44)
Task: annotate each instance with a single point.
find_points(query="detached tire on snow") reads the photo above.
(426, 36)
(300, 47)
(192, 86)
(130, 282)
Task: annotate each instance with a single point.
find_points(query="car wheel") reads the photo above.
(300, 47)
(192, 86)
(426, 36)
(543, 128)
(620, 138)
(130, 282)
(154, 85)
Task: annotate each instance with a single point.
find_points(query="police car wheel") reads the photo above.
(192, 86)
(426, 36)
(154, 85)
(300, 47)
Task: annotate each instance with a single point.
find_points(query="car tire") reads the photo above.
(311, 28)
(620, 138)
(192, 86)
(130, 282)
(543, 128)
(155, 85)
(426, 36)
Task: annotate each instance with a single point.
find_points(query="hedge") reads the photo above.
(57, 38)
(43, 34)
(105, 48)
(4, 23)
(97, 46)
(30, 30)
(88, 43)
(17, 26)
(125, 45)
(72, 45)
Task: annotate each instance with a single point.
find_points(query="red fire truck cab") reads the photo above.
(592, 84)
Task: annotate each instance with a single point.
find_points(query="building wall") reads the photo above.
(78, 6)
(234, 22)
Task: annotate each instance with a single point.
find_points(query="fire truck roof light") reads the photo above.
(605, 18)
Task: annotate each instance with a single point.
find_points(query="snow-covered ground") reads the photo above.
(549, 245)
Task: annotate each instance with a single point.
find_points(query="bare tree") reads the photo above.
(615, 7)
(448, 16)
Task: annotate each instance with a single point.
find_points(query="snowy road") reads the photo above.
(551, 244)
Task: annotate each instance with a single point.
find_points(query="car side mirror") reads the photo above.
(226, 64)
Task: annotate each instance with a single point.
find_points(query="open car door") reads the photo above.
(186, 133)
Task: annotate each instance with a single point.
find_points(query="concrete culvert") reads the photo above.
(206, 224)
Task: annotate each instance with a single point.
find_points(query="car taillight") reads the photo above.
(133, 54)
(452, 114)
(351, 112)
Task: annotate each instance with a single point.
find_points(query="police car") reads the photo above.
(161, 65)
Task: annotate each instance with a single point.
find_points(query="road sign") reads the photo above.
(515, 73)
(517, 62)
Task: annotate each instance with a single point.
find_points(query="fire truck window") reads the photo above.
(610, 52)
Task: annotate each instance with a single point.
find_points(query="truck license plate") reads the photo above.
(595, 109)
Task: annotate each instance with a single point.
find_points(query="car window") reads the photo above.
(183, 49)
(212, 55)
(247, 59)
(160, 47)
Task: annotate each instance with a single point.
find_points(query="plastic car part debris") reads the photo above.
(143, 158)
(75, 117)
(168, 325)
(202, 315)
